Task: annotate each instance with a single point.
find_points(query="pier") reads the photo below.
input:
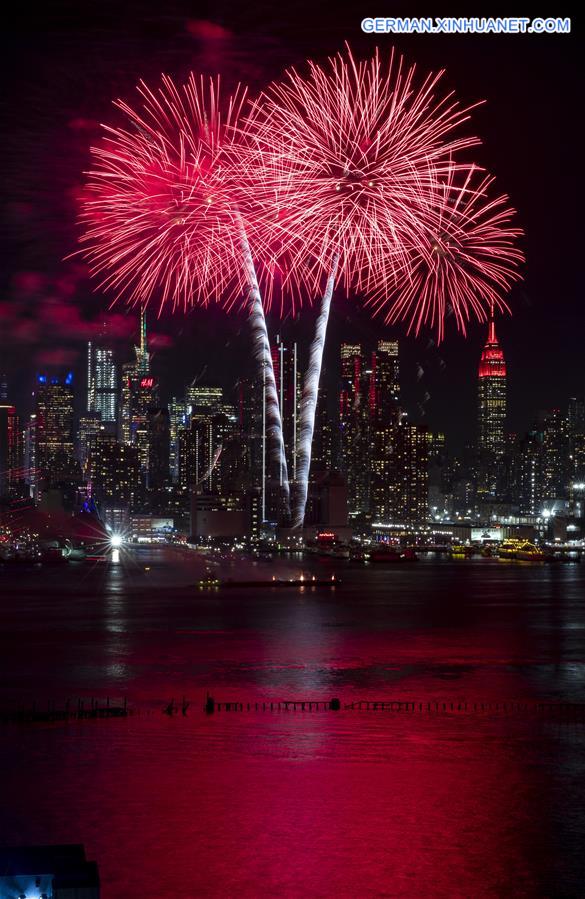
(430, 707)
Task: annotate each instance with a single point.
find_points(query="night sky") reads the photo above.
(64, 63)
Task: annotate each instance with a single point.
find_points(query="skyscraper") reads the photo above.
(204, 400)
(54, 428)
(102, 382)
(288, 387)
(158, 448)
(492, 397)
(178, 420)
(114, 472)
(384, 390)
(133, 375)
(354, 422)
(206, 454)
(10, 443)
(322, 455)
(90, 426)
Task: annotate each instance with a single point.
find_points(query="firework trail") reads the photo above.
(343, 162)
(468, 261)
(309, 399)
(161, 219)
(211, 467)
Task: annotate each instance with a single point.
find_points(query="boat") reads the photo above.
(528, 552)
(521, 550)
(461, 551)
(301, 581)
(328, 544)
(385, 553)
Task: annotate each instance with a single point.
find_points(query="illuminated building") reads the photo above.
(384, 388)
(384, 420)
(133, 374)
(208, 453)
(322, 455)
(114, 469)
(138, 396)
(354, 428)
(204, 401)
(530, 473)
(144, 397)
(54, 451)
(249, 412)
(90, 425)
(288, 386)
(30, 454)
(102, 382)
(178, 420)
(400, 470)
(492, 397)
(412, 480)
(576, 440)
(10, 446)
(158, 448)
(554, 426)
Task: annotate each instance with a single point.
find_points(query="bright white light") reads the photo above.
(116, 541)
(546, 513)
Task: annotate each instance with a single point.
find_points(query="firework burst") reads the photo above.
(158, 209)
(465, 265)
(161, 221)
(343, 162)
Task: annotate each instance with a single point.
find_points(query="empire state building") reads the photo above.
(492, 396)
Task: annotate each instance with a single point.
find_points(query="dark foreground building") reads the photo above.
(48, 872)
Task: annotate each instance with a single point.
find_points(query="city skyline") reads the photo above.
(292, 452)
(44, 299)
(152, 457)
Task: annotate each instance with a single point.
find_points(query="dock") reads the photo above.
(559, 710)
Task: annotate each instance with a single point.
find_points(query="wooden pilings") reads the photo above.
(430, 707)
(284, 705)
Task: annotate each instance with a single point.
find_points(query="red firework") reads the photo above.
(341, 164)
(463, 266)
(158, 209)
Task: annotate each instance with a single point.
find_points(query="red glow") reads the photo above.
(158, 209)
(343, 163)
(353, 166)
(147, 383)
(492, 363)
(465, 267)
